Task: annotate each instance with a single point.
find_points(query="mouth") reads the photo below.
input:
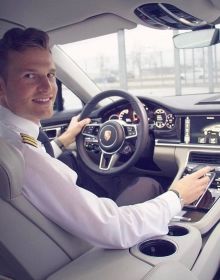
(44, 100)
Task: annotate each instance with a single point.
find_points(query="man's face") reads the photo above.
(29, 87)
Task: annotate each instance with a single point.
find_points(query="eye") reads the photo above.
(51, 75)
(30, 75)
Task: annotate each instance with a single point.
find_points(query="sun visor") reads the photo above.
(90, 28)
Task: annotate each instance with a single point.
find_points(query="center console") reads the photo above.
(207, 205)
(182, 243)
(193, 235)
(198, 145)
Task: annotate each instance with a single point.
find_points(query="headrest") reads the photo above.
(11, 171)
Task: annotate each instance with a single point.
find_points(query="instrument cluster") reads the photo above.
(158, 117)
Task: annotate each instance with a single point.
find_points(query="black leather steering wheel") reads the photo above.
(112, 136)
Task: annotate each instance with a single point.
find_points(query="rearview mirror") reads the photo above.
(197, 39)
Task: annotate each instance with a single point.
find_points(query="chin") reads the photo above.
(46, 115)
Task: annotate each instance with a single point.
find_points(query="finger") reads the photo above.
(202, 172)
(84, 122)
(204, 180)
(87, 120)
(199, 183)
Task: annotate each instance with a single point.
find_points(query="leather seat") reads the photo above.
(31, 246)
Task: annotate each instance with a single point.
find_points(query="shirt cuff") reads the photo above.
(173, 202)
(57, 151)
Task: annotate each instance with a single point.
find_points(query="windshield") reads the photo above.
(144, 61)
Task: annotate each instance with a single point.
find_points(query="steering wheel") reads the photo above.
(111, 138)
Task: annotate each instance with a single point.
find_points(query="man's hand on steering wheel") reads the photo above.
(74, 128)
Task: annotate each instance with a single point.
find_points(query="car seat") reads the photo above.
(31, 246)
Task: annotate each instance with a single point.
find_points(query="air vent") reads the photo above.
(207, 158)
(164, 16)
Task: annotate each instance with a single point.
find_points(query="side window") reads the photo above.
(66, 99)
(70, 100)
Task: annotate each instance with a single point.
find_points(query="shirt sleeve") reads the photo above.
(51, 186)
(56, 149)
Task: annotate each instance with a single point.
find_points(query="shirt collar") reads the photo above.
(18, 123)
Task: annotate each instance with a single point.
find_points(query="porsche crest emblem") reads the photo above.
(107, 135)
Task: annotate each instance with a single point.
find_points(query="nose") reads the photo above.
(45, 84)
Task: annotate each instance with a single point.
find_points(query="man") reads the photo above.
(27, 93)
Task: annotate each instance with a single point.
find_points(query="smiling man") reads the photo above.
(27, 93)
(28, 85)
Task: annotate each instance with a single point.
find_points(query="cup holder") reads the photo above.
(177, 231)
(157, 248)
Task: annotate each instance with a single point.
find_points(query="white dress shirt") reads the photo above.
(51, 187)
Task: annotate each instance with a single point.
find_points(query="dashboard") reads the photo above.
(169, 124)
(159, 118)
(162, 121)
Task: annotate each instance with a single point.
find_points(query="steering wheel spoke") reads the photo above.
(91, 130)
(107, 161)
(130, 131)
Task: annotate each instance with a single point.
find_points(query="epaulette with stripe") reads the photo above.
(27, 139)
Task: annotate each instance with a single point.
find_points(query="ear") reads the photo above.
(2, 90)
(2, 86)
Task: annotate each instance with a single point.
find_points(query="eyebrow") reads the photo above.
(35, 70)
